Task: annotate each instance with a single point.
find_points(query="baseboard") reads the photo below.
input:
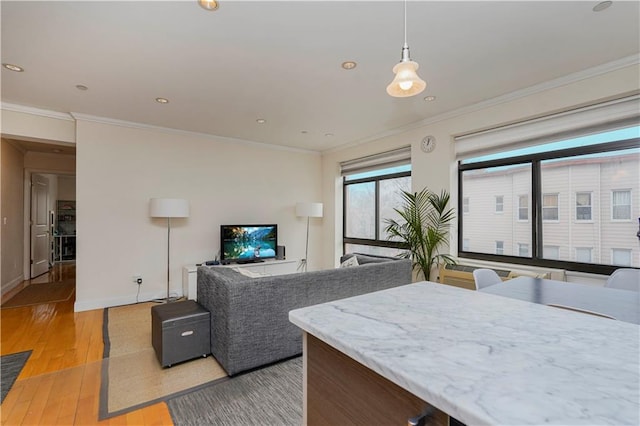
(88, 305)
(12, 287)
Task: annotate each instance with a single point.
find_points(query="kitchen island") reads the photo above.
(480, 358)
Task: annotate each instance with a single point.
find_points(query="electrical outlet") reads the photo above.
(137, 279)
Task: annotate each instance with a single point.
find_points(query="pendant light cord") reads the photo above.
(405, 22)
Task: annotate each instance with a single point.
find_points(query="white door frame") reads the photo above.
(26, 267)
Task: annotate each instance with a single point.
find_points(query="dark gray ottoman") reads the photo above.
(179, 331)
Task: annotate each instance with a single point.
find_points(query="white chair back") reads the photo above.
(485, 277)
(624, 279)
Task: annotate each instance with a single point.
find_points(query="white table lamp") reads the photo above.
(168, 208)
(308, 210)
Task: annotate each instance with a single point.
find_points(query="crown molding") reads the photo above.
(36, 111)
(133, 125)
(509, 97)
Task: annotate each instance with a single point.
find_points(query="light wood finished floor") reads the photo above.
(60, 383)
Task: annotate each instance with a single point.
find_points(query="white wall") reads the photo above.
(11, 216)
(119, 168)
(66, 188)
(438, 169)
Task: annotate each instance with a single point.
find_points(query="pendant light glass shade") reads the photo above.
(407, 82)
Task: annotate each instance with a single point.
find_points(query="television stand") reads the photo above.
(244, 261)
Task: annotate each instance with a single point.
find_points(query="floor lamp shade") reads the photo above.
(309, 209)
(168, 207)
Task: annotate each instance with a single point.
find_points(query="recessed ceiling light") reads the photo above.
(349, 65)
(162, 100)
(81, 87)
(328, 134)
(602, 6)
(261, 121)
(429, 98)
(208, 4)
(304, 132)
(12, 67)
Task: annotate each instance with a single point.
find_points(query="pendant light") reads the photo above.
(406, 82)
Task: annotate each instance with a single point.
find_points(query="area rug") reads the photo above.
(132, 376)
(36, 294)
(10, 368)
(269, 396)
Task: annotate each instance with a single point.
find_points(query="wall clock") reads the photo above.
(428, 144)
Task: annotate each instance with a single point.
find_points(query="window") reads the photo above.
(558, 188)
(621, 205)
(499, 203)
(465, 205)
(550, 207)
(465, 244)
(583, 206)
(523, 207)
(583, 254)
(523, 250)
(621, 257)
(372, 189)
(551, 252)
(499, 247)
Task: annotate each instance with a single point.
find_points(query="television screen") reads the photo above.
(248, 242)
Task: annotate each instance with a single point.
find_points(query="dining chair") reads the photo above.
(485, 277)
(624, 279)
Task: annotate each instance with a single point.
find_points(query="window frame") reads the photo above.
(520, 198)
(501, 204)
(630, 192)
(365, 241)
(534, 160)
(557, 206)
(575, 212)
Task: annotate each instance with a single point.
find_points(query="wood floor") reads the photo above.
(60, 383)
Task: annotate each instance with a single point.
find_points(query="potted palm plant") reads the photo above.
(423, 226)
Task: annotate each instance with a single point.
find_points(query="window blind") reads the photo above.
(597, 118)
(383, 160)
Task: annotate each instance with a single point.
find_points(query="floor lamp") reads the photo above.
(308, 210)
(168, 208)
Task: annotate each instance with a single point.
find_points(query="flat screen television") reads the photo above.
(248, 243)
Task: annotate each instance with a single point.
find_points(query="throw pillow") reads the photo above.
(352, 261)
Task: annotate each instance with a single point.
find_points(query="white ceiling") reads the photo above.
(280, 60)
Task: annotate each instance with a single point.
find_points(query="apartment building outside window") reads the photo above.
(575, 203)
(372, 188)
(499, 203)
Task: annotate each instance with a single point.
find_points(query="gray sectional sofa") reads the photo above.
(250, 316)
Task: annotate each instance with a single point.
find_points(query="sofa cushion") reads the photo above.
(350, 261)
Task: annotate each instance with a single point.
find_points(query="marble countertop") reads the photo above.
(486, 359)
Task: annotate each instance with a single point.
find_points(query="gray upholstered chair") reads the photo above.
(485, 277)
(624, 279)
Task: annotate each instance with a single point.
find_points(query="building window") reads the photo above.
(621, 205)
(372, 189)
(550, 207)
(583, 205)
(523, 250)
(583, 254)
(621, 257)
(551, 252)
(465, 205)
(499, 247)
(499, 203)
(523, 207)
(558, 188)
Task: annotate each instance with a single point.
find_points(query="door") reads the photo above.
(39, 225)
